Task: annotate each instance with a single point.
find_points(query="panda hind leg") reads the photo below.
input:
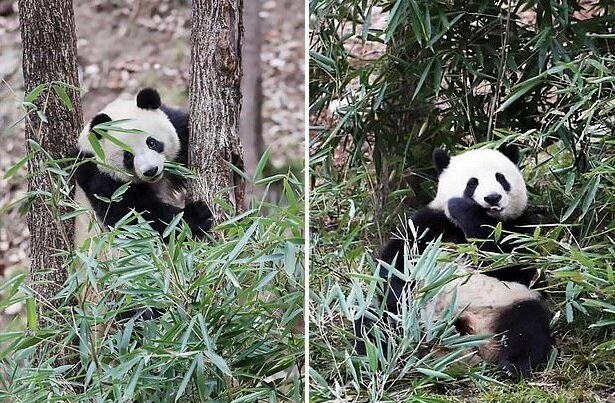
(523, 335)
(363, 324)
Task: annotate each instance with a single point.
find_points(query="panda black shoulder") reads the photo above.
(179, 120)
(86, 170)
(429, 224)
(432, 223)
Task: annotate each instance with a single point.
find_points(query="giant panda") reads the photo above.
(477, 190)
(162, 137)
(154, 134)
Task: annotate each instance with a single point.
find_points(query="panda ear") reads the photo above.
(98, 119)
(511, 152)
(148, 98)
(440, 159)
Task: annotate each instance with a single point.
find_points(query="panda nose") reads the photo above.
(151, 172)
(493, 199)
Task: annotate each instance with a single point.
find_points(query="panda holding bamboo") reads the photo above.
(147, 134)
(477, 190)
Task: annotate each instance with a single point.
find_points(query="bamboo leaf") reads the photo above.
(61, 93)
(119, 192)
(219, 362)
(34, 94)
(185, 380)
(31, 313)
(419, 85)
(15, 168)
(520, 91)
(96, 146)
(134, 379)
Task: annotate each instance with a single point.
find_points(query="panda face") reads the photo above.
(146, 161)
(489, 177)
(156, 143)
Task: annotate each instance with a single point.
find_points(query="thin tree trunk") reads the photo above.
(215, 103)
(49, 54)
(250, 123)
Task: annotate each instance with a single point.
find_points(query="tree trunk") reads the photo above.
(215, 104)
(250, 122)
(49, 54)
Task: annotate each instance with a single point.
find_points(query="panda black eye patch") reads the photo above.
(470, 187)
(502, 180)
(154, 144)
(129, 160)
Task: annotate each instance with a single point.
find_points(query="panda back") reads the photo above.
(514, 315)
(482, 291)
(479, 300)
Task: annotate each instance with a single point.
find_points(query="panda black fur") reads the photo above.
(164, 139)
(477, 190)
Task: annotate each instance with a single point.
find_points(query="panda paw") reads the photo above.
(199, 217)
(467, 214)
(461, 205)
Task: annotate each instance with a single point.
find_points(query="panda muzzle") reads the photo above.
(152, 173)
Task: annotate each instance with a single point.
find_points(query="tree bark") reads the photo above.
(215, 104)
(250, 122)
(49, 54)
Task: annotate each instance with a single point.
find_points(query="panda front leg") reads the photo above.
(197, 214)
(199, 217)
(472, 218)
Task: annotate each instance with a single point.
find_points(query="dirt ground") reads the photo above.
(127, 44)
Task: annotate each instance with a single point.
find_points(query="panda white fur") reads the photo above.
(163, 137)
(513, 314)
(477, 190)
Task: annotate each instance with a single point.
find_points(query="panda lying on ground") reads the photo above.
(477, 190)
(164, 139)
